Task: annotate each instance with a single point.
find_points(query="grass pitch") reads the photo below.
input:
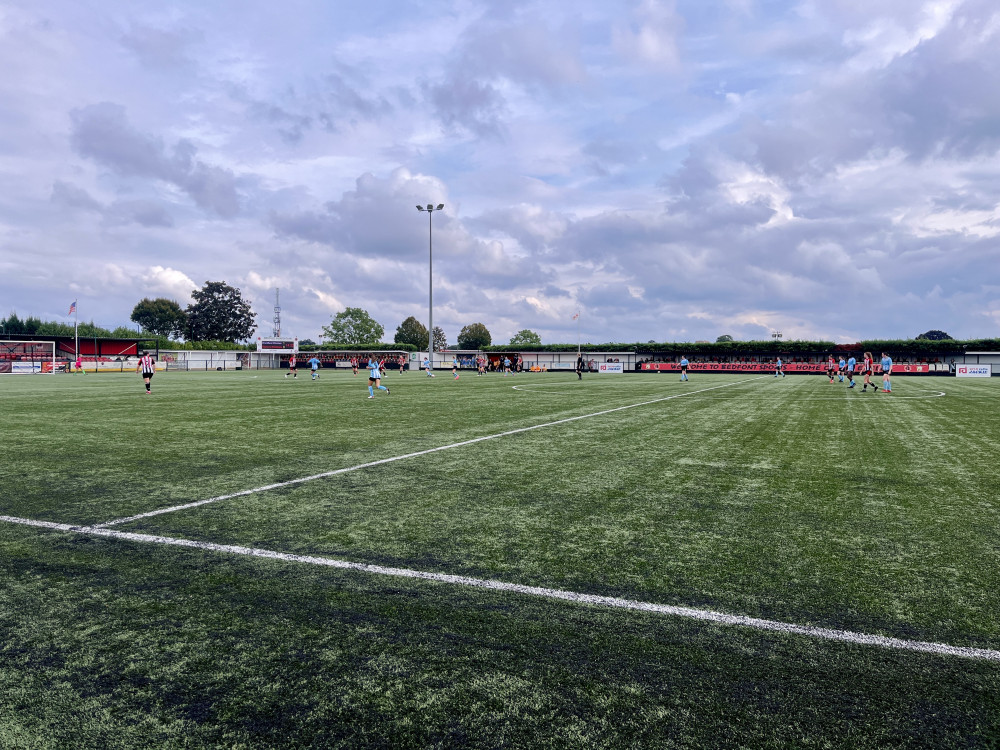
(791, 500)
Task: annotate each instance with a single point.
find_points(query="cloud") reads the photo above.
(72, 196)
(169, 282)
(145, 212)
(102, 132)
(159, 47)
(652, 37)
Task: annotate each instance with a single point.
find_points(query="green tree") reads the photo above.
(412, 331)
(12, 324)
(160, 316)
(219, 313)
(353, 327)
(440, 340)
(55, 328)
(934, 335)
(92, 330)
(724, 338)
(474, 336)
(525, 337)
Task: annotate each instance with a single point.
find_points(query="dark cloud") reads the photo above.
(102, 132)
(464, 103)
(145, 213)
(72, 196)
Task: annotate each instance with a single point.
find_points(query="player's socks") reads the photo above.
(371, 392)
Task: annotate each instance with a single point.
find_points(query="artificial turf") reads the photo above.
(788, 499)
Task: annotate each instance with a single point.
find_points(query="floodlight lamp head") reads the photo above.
(430, 206)
(440, 206)
(420, 208)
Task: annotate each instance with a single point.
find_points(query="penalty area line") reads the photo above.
(611, 602)
(393, 459)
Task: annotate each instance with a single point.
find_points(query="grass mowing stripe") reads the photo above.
(845, 636)
(379, 462)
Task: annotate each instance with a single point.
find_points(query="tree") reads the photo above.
(474, 336)
(412, 331)
(353, 327)
(440, 340)
(160, 316)
(13, 324)
(724, 338)
(934, 335)
(219, 313)
(525, 337)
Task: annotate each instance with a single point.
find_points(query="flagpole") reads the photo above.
(76, 331)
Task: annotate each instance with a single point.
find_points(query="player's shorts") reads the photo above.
(866, 372)
(147, 374)
(372, 380)
(684, 368)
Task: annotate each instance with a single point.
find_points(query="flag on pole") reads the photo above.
(72, 308)
(574, 317)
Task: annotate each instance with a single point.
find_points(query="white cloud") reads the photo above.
(666, 170)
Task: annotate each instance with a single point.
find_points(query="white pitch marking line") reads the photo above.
(300, 480)
(845, 636)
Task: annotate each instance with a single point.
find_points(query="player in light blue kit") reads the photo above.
(852, 363)
(684, 368)
(777, 368)
(886, 373)
(314, 363)
(375, 378)
(843, 368)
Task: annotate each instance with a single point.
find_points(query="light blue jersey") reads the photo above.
(886, 364)
(851, 364)
(314, 363)
(374, 376)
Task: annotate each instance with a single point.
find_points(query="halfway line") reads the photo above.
(844, 636)
(379, 462)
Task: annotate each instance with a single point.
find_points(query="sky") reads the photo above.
(673, 171)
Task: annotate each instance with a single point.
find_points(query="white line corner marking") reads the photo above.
(300, 480)
(844, 636)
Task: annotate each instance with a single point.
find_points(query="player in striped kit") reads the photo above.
(148, 367)
(866, 369)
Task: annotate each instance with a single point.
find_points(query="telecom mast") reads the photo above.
(277, 314)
